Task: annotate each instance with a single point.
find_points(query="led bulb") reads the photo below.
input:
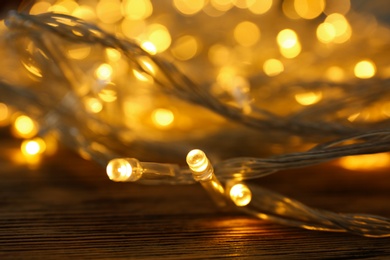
(199, 165)
(240, 194)
(124, 169)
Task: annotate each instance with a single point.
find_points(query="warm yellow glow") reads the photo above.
(308, 98)
(133, 28)
(124, 169)
(69, 5)
(159, 36)
(185, 47)
(147, 65)
(104, 72)
(137, 9)
(163, 117)
(113, 54)
(79, 52)
(243, 4)
(292, 52)
(273, 67)
(109, 11)
(25, 127)
(240, 194)
(222, 5)
(142, 76)
(326, 32)
(246, 33)
(366, 162)
(93, 105)
(288, 42)
(108, 93)
(33, 147)
(149, 47)
(33, 69)
(189, 7)
(219, 54)
(287, 38)
(289, 9)
(337, 6)
(4, 114)
(40, 7)
(84, 12)
(309, 9)
(353, 117)
(58, 9)
(365, 69)
(197, 161)
(260, 6)
(341, 27)
(335, 74)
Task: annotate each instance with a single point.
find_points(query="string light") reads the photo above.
(240, 194)
(24, 127)
(203, 172)
(33, 147)
(116, 97)
(365, 69)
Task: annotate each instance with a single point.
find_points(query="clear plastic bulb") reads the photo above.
(240, 194)
(124, 169)
(203, 172)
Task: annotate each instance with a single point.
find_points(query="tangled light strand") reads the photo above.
(65, 113)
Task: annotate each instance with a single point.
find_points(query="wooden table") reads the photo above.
(67, 208)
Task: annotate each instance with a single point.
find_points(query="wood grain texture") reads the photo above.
(67, 208)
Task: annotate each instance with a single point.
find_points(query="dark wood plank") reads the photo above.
(68, 208)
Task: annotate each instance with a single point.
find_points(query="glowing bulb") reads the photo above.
(25, 127)
(365, 69)
(128, 169)
(84, 12)
(185, 47)
(159, 36)
(240, 194)
(288, 42)
(113, 54)
(149, 47)
(287, 38)
(308, 98)
(246, 33)
(203, 171)
(33, 147)
(137, 9)
(104, 72)
(273, 67)
(109, 11)
(93, 105)
(340, 27)
(189, 7)
(40, 7)
(197, 161)
(326, 32)
(260, 6)
(335, 73)
(162, 117)
(309, 9)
